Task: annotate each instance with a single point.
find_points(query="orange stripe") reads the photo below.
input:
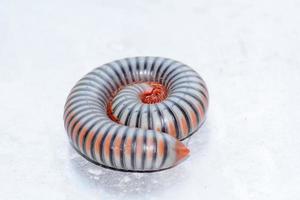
(97, 150)
(172, 130)
(88, 143)
(139, 146)
(67, 111)
(75, 132)
(69, 118)
(71, 122)
(184, 126)
(161, 146)
(150, 147)
(81, 135)
(117, 146)
(127, 146)
(67, 121)
(107, 144)
(194, 119)
(69, 106)
(201, 112)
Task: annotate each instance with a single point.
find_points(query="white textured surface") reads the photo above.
(247, 51)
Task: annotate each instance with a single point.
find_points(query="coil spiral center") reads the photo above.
(157, 94)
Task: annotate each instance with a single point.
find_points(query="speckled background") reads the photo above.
(247, 51)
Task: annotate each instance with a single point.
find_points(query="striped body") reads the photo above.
(107, 121)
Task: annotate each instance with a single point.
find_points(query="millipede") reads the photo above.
(132, 114)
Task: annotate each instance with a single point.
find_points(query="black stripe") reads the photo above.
(76, 120)
(167, 81)
(123, 71)
(102, 77)
(87, 134)
(179, 67)
(186, 77)
(174, 117)
(196, 98)
(192, 88)
(92, 150)
(116, 72)
(68, 112)
(83, 101)
(145, 72)
(154, 153)
(163, 122)
(128, 117)
(122, 98)
(79, 111)
(184, 82)
(88, 88)
(115, 108)
(130, 69)
(79, 99)
(184, 112)
(112, 78)
(144, 149)
(84, 97)
(111, 147)
(138, 68)
(93, 142)
(137, 121)
(152, 68)
(166, 69)
(68, 101)
(107, 91)
(76, 143)
(192, 106)
(117, 105)
(122, 149)
(158, 70)
(102, 143)
(120, 114)
(84, 92)
(138, 89)
(133, 90)
(149, 118)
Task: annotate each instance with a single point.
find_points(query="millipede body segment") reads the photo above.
(131, 114)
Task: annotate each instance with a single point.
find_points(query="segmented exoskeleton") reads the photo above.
(131, 114)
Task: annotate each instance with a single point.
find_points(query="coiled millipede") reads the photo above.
(131, 114)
